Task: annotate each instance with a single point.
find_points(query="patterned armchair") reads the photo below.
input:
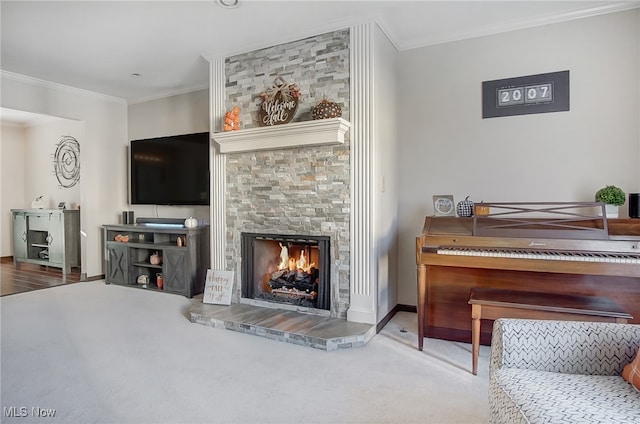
(562, 372)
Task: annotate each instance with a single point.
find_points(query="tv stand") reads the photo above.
(184, 251)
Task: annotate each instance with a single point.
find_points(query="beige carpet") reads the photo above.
(101, 353)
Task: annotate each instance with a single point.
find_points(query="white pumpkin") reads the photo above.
(191, 222)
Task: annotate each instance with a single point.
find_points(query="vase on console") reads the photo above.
(612, 211)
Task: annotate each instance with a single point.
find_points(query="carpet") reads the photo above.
(96, 353)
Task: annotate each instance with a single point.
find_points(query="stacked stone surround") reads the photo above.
(318, 65)
(299, 190)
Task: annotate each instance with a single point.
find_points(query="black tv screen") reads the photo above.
(170, 170)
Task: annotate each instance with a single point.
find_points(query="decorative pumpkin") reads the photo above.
(191, 222)
(232, 120)
(143, 280)
(155, 259)
(465, 207)
(326, 109)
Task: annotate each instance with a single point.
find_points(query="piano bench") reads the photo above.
(489, 303)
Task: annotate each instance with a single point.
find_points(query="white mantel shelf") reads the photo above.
(296, 134)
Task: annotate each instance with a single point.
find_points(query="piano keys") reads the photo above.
(454, 255)
(549, 255)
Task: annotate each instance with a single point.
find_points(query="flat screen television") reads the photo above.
(170, 170)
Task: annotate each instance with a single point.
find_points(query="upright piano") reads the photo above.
(540, 247)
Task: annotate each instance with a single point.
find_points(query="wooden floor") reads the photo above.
(28, 277)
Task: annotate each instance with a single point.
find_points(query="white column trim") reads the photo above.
(218, 225)
(362, 287)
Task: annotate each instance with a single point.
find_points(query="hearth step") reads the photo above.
(287, 326)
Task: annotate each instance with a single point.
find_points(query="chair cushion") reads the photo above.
(530, 396)
(631, 372)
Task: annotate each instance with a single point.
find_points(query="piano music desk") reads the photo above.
(489, 303)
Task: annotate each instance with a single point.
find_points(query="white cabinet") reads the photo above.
(48, 237)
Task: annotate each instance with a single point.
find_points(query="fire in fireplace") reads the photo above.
(286, 269)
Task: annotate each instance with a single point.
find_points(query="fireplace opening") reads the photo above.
(286, 269)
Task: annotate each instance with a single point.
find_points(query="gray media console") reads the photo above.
(178, 255)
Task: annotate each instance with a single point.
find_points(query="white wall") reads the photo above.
(103, 172)
(181, 114)
(39, 176)
(28, 172)
(12, 153)
(385, 164)
(447, 148)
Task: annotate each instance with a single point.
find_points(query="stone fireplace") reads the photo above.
(296, 198)
(290, 270)
(289, 180)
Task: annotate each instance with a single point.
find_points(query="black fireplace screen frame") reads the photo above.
(324, 268)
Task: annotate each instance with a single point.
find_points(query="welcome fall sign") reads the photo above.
(217, 287)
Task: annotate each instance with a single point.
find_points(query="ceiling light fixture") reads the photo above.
(228, 4)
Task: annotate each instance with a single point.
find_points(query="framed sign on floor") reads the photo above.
(217, 287)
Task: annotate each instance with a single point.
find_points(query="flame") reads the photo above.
(290, 263)
(284, 257)
(302, 262)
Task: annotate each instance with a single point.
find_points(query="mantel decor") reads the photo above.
(326, 109)
(296, 134)
(279, 103)
(530, 94)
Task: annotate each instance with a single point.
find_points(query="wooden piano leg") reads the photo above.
(476, 314)
(422, 302)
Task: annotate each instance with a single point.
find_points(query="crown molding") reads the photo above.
(379, 20)
(524, 24)
(166, 94)
(57, 86)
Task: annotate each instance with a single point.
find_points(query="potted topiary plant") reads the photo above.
(613, 197)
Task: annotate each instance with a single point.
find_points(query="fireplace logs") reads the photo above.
(288, 269)
(297, 279)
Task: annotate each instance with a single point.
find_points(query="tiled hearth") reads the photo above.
(319, 332)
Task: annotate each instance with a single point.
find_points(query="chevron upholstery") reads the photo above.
(544, 371)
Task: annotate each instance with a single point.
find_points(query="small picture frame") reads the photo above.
(443, 205)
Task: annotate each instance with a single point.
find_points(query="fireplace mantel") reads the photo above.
(297, 134)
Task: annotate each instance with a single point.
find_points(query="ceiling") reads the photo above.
(98, 45)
